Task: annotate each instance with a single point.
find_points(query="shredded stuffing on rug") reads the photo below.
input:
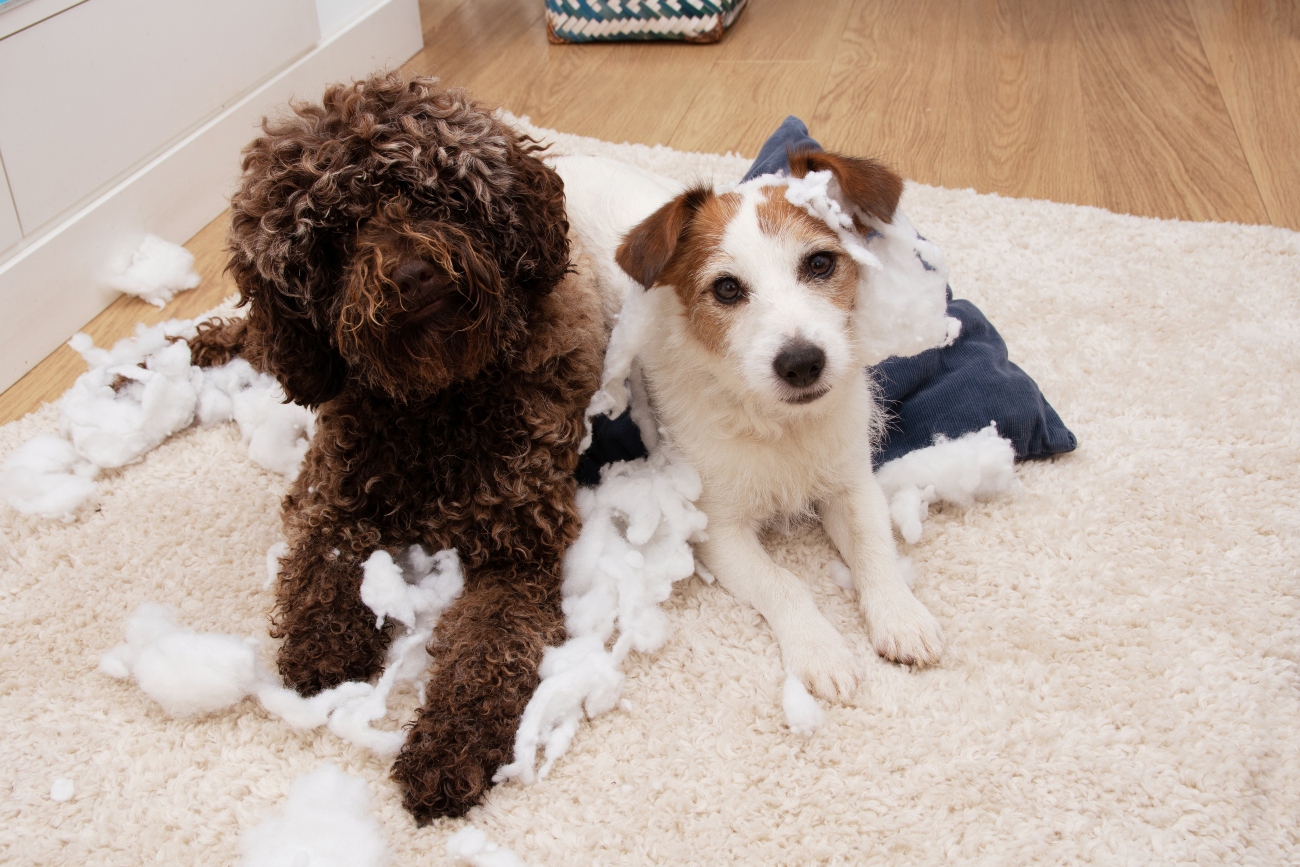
(47, 477)
(62, 790)
(192, 674)
(325, 822)
(135, 396)
(157, 270)
(977, 466)
(471, 846)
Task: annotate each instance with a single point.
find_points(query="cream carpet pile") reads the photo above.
(1120, 683)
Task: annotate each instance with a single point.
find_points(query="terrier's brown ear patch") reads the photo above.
(649, 247)
(870, 185)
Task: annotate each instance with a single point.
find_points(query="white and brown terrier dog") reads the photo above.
(754, 364)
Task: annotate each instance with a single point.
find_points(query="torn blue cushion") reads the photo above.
(954, 390)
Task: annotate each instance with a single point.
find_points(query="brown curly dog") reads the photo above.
(405, 263)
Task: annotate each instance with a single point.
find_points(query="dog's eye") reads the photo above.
(821, 264)
(728, 290)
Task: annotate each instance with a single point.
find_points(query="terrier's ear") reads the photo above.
(649, 247)
(872, 187)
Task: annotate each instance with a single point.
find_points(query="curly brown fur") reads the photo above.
(403, 258)
(217, 342)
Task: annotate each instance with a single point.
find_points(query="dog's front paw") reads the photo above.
(902, 629)
(439, 773)
(823, 663)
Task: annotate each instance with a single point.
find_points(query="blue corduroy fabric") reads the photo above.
(949, 391)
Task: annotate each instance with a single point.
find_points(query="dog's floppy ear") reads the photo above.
(287, 217)
(649, 247)
(539, 250)
(285, 342)
(872, 187)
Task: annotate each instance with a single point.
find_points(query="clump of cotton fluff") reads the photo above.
(133, 396)
(414, 591)
(977, 466)
(276, 432)
(47, 477)
(638, 526)
(802, 712)
(157, 270)
(902, 308)
(191, 673)
(325, 822)
(131, 399)
(471, 846)
(902, 301)
(187, 673)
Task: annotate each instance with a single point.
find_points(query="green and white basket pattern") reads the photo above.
(611, 20)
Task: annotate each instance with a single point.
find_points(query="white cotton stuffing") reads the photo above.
(840, 574)
(191, 673)
(132, 398)
(802, 712)
(157, 270)
(421, 586)
(187, 673)
(62, 790)
(976, 466)
(47, 477)
(325, 822)
(637, 529)
(274, 555)
(276, 432)
(471, 846)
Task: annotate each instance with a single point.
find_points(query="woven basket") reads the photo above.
(627, 20)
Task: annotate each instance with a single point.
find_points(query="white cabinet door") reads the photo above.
(92, 92)
(10, 232)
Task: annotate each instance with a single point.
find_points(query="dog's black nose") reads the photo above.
(799, 363)
(419, 279)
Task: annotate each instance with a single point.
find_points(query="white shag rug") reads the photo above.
(1120, 683)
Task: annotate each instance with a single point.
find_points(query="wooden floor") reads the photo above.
(1182, 109)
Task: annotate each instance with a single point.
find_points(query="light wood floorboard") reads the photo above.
(1015, 114)
(1165, 108)
(1254, 50)
(888, 90)
(1161, 140)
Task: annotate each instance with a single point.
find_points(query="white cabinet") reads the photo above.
(10, 232)
(90, 93)
(121, 118)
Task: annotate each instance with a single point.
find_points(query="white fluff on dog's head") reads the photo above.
(764, 288)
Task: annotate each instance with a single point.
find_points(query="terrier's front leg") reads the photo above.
(811, 648)
(486, 652)
(902, 629)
